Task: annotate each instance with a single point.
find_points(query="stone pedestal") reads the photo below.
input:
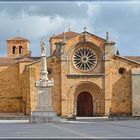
(44, 112)
(44, 117)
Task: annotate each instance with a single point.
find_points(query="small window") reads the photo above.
(14, 49)
(122, 71)
(20, 49)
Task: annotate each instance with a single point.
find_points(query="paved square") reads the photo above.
(70, 129)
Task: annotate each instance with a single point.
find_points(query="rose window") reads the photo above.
(84, 59)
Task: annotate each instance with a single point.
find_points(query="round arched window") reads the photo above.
(85, 59)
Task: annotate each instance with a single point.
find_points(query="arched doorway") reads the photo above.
(84, 105)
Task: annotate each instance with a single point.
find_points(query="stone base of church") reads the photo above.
(44, 117)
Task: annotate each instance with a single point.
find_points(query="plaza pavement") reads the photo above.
(80, 129)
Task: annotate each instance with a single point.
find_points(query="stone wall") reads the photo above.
(10, 93)
(121, 96)
(135, 92)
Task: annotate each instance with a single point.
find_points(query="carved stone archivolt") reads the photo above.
(94, 90)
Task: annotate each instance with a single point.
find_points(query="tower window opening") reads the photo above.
(20, 49)
(14, 49)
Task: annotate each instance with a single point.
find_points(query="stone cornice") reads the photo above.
(85, 75)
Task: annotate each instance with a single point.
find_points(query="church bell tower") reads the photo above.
(18, 47)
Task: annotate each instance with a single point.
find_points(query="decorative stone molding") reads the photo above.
(93, 89)
(85, 75)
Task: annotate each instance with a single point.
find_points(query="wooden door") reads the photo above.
(84, 105)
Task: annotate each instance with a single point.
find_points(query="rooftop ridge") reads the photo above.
(18, 38)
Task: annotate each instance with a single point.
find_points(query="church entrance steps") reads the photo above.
(13, 116)
(87, 118)
(105, 118)
(92, 118)
(108, 118)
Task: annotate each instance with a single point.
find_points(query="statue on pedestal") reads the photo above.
(44, 112)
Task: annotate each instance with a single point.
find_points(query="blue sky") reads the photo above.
(37, 20)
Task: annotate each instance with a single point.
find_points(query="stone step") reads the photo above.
(13, 116)
(105, 118)
(124, 118)
(87, 118)
(92, 118)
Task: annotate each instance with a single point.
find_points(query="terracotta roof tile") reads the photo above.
(134, 58)
(18, 38)
(4, 61)
(68, 35)
(7, 61)
(29, 59)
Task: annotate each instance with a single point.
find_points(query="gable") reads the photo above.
(73, 38)
(134, 58)
(127, 60)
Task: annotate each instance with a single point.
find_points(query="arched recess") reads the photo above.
(96, 92)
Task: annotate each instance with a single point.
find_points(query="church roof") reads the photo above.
(7, 61)
(129, 58)
(18, 38)
(4, 61)
(71, 34)
(134, 58)
(68, 35)
(29, 59)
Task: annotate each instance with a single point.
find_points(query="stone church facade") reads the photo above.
(90, 77)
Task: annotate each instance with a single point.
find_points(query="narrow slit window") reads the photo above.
(20, 49)
(14, 49)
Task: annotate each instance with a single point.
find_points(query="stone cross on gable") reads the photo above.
(68, 27)
(85, 28)
(85, 35)
(18, 32)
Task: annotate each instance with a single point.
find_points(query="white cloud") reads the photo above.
(35, 27)
(93, 10)
(42, 22)
(136, 8)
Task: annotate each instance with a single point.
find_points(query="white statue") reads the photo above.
(43, 47)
